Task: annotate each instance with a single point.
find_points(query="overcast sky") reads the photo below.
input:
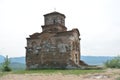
(97, 20)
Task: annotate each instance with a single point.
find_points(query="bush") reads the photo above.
(113, 63)
(5, 65)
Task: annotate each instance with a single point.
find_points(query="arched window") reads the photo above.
(76, 58)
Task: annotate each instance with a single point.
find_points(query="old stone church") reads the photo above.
(54, 47)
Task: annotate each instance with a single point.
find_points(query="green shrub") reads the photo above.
(5, 64)
(113, 63)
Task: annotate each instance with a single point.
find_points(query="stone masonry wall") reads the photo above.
(50, 50)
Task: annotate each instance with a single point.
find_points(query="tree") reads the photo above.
(6, 64)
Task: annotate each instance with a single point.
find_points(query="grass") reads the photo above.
(3, 73)
(118, 78)
(65, 72)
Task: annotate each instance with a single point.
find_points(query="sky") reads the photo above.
(97, 20)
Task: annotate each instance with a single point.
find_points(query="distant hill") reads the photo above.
(1, 58)
(14, 59)
(19, 62)
(92, 60)
(95, 60)
(17, 66)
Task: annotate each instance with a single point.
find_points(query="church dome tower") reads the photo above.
(54, 21)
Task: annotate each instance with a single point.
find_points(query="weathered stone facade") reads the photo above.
(54, 47)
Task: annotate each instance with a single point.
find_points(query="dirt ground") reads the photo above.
(109, 74)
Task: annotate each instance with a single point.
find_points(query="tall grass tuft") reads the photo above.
(113, 63)
(118, 78)
(5, 64)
